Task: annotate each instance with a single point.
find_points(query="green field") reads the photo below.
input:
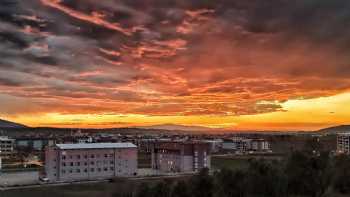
(228, 163)
(234, 162)
(86, 190)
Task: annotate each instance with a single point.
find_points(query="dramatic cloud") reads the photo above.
(171, 58)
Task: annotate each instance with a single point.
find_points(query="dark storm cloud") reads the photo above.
(181, 57)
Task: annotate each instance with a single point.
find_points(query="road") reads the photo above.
(19, 178)
(23, 180)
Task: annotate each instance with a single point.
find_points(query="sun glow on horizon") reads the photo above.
(307, 114)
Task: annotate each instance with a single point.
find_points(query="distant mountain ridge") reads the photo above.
(9, 124)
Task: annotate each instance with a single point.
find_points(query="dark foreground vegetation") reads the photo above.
(302, 174)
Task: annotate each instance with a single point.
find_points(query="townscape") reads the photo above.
(82, 156)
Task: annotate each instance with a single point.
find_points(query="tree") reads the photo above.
(266, 178)
(181, 189)
(230, 183)
(341, 180)
(161, 189)
(203, 185)
(144, 190)
(308, 175)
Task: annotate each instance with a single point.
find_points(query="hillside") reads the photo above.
(8, 124)
(336, 129)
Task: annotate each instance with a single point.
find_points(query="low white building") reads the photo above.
(243, 145)
(343, 143)
(237, 144)
(70, 162)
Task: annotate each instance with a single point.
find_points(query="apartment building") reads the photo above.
(6, 146)
(90, 161)
(180, 156)
(343, 143)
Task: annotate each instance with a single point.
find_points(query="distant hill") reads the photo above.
(8, 124)
(336, 129)
(184, 128)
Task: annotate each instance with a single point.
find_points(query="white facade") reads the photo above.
(70, 162)
(343, 143)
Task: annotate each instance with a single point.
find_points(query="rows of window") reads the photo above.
(85, 170)
(86, 163)
(92, 156)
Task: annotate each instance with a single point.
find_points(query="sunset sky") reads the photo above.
(232, 64)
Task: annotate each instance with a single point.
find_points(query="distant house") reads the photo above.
(215, 145)
(180, 156)
(343, 143)
(90, 161)
(237, 144)
(34, 143)
(6, 146)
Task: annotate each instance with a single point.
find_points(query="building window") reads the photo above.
(85, 170)
(70, 157)
(85, 163)
(112, 168)
(78, 163)
(105, 169)
(63, 164)
(92, 156)
(99, 169)
(78, 170)
(106, 155)
(78, 156)
(92, 169)
(71, 164)
(70, 171)
(63, 171)
(85, 156)
(63, 157)
(112, 162)
(92, 163)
